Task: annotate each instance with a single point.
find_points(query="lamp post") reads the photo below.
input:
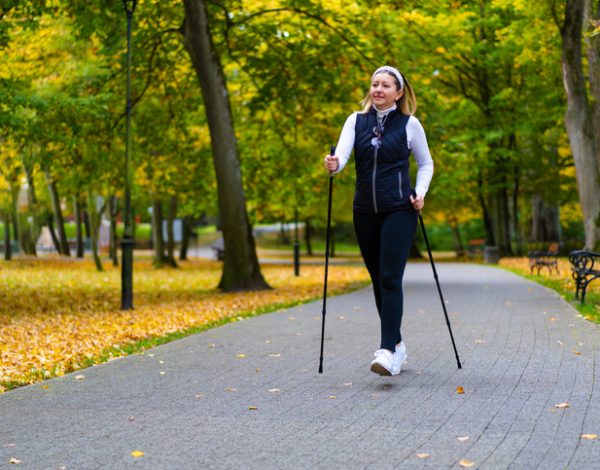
(127, 242)
(296, 244)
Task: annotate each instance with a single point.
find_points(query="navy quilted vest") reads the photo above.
(382, 177)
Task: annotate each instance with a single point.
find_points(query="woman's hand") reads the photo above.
(417, 202)
(332, 163)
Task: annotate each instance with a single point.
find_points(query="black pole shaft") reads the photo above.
(326, 265)
(127, 242)
(439, 290)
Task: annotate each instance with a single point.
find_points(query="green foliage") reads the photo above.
(487, 76)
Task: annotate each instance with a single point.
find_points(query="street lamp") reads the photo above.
(127, 242)
(296, 244)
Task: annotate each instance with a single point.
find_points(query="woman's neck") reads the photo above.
(385, 111)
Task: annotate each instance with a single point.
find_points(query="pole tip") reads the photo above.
(459, 365)
(320, 369)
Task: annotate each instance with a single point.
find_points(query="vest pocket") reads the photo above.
(400, 186)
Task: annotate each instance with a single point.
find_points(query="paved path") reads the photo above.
(189, 404)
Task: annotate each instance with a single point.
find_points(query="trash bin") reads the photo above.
(491, 254)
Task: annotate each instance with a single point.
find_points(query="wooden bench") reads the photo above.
(475, 247)
(586, 268)
(548, 259)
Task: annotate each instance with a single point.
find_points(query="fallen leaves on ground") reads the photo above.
(463, 438)
(562, 405)
(590, 437)
(14, 461)
(460, 390)
(423, 455)
(137, 453)
(59, 314)
(466, 463)
(564, 277)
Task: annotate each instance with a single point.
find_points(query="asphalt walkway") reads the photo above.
(248, 395)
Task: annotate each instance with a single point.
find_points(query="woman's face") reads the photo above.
(384, 92)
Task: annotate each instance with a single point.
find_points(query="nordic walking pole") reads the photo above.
(326, 264)
(439, 289)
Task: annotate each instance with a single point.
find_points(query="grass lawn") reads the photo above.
(59, 315)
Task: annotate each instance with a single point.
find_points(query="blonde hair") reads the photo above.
(407, 102)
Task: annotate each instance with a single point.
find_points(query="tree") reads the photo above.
(240, 268)
(582, 118)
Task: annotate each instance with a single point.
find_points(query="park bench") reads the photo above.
(549, 259)
(586, 268)
(475, 247)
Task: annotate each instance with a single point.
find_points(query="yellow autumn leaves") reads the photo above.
(56, 314)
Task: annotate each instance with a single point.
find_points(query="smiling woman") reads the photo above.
(383, 136)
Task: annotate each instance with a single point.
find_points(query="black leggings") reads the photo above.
(385, 241)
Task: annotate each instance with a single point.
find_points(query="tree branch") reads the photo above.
(315, 17)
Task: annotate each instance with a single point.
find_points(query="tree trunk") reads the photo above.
(490, 238)
(307, 237)
(7, 243)
(241, 270)
(78, 227)
(545, 221)
(86, 224)
(55, 241)
(157, 233)
(172, 213)
(95, 219)
(592, 42)
(459, 247)
(186, 230)
(58, 215)
(14, 215)
(578, 120)
(113, 209)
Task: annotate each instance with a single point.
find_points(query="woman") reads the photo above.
(385, 208)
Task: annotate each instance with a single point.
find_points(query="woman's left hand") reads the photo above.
(417, 202)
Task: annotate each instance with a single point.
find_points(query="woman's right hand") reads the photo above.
(332, 163)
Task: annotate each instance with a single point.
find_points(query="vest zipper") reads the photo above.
(400, 185)
(374, 178)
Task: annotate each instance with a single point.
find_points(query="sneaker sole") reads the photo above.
(379, 369)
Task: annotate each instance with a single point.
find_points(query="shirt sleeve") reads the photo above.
(345, 144)
(417, 142)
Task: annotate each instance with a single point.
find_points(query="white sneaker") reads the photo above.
(383, 364)
(399, 358)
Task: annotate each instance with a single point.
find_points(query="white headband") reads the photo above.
(395, 72)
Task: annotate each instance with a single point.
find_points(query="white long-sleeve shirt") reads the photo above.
(416, 140)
